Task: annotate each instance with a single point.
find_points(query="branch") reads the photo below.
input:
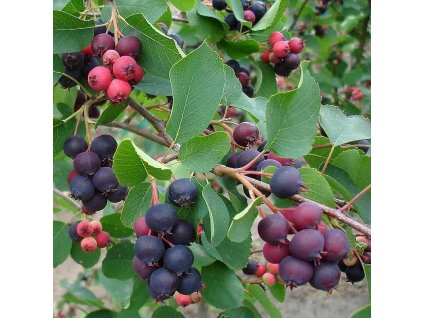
(357, 197)
(298, 15)
(64, 196)
(176, 19)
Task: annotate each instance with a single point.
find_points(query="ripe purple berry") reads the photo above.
(326, 277)
(245, 134)
(307, 245)
(163, 284)
(119, 194)
(285, 182)
(295, 272)
(104, 180)
(273, 228)
(190, 282)
(149, 249)
(247, 156)
(182, 192)
(178, 259)
(96, 203)
(336, 245)
(161, 217)
(129, 45)
(251, 267)
(81, 188)
(142, 269)
(182, 233)
(104, 146)
(86, 163)
(74, 145)
(102, 43)
(73, 60)
(307, 215)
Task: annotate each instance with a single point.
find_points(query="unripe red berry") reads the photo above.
(196, 297)
(72, 175)
(282, 161)
(85, 229)
(273, 268)
(118, 91)
(96, 226)
(109, 58)
(269, 279)
(199, 229)
(102, 43)
(265, 56)
(288, 213)
(307, 215)
(102, 239)
(249, 16)
(88, 51)
(281, 49)
(89, 244)
(140, 227)
(124, 68)
(275, 253)
(357, 95)
(296, 45)
(261, 269)
(275, 37)
(137, 76)
(364, 239)
(350, 259)
(182, 300)
(273, 59)
(243, 78)
(129, 46)
(99, 78)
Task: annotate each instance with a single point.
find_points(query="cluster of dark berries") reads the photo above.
(175, 36)
(267, 272)
(161, 253)
(253, 12)
(93, 181)
(310, 255)
(90, 234)
(93, 110)
(283, 54)
(352, 266)
(243, 75)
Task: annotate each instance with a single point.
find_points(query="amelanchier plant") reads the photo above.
(228, 177)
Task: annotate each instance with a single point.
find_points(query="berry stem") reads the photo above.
(257, 173)
(356, 198)
(87, 124)
(177, 19)
(155, 196)
(78, 121)
(248, 165)
(67, 198)
(223, 125)
(167, 241)
(328, 159)
(79, 84)
(297, 15)
(114, 19)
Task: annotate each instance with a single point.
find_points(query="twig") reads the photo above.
(357, 197)
(298, 15)
(64, 196)
(328, 159)
(176, 19)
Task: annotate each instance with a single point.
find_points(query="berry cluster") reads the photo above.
(243, 75)
(352, 266)
(355, 92)
(93, 181)
(77, 65)
(161, 253)
(268, 273)
(283, 54)
(90, 234)
(186, 300)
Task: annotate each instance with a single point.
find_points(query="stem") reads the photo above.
(138, 131)
(87, 124)
(328, 159)
(223, 125)
(67, 198)
(167, 241)
(77, 124)
(298, 15)
(248, 165)
(356, 198)
(79, 84)
(155, 196)
(257, 173)
(176, 19)
(114, 19)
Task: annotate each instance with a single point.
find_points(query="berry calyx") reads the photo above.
(161, 217)
(99, 78)
(129, 45)
(97, 227)
(182, 192)
(102, 239)
(73, 60)
(74, 145)
(275, 37)
(88, 244)
(245, 134)
(96, 203)
(273, 228)
(124, 68)
(137, 76)
(101, 43)
(280, 49)
(307, 245)
(118, 91)
(296, 45)
(118, 194)
(85, 229)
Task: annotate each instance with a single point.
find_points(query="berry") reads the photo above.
(307, 245)
(285, 182)
(273, 228)
(182, 300)
(259, 9)
(91, 63)
(365, 240)
(269, 279)
(282, 161)
(183, 233)
(232, 160)
(81, 188)
(96, 203)
(161, 217)
(86, 163)
(367, 257)
(101, 43)
(244, 70)
(248, 90)
(109, 58)
(355, 273)
(196, 297)
(88, 51)
(350, 259)
(261, 269)
(342, 266)
(275, 37)
(99, 29)
(118, 91)
(245, 134)
(178, 259)
(149, 249)
(281, 69)
(233, 23)
(119, 194)
(72, 231)
(234, 65)
(322, 227)
(74, 145)
(137, 76)
(260, 148)
(326, 277)
(129, 46)
(249, 16)
(247, 156)
(336, 245)
(84, 229)
(88, 244)
(291, 61)
(265, 57)
(268, 163)
(190, 282)
(295, 272)
(97, 227)
(219, 4)
(99, 78)
(273, 59)
(102, 239)
(274, 253)
(177, 39)
(288, 213)
(163, 284)
(73, 60)
(273, 268)
(280, 49)
(163, 27)
(124, 68)
(307, 215)
(142, 269)
(182, 192)
(296, 45)
(104, 180)
(104, 146)
(140, 227)
(251, 267)
(67, 82)
(243, 78)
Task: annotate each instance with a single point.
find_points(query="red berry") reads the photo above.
(269, 279)
(118, 91)
(72, 175)
(99, 78)
(199, 229)
(261, 269)
(85, 210)
(182, 300)
(274, 253)
(102, 43)
(243, 78)
(88, 51)
(109, 58)
(288, 213)
(273, 59)
(273, 228)
(273, 268)
(245, 134)
(129, 46)
(124, 68)
(138, 75)
(249, 16)
(265, 56)
(357, 95)
(306, 216)
(336, 245)
(296, 45)
(88, 244)
(102, 239)
(140, 227)
(85, 229)
(281, 49)
(96, 226)
(275, 37)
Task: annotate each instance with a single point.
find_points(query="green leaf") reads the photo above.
(239, 49)
(342, 129)
(368, 271)
(82, 296)
(364, 312)
(317, 157)
(224, 289)
(136, 204)
(86, 260)
(166, 312)
(203, 27)
(272, 16)
(113, 225)
(155, 85)
(74, 7)
(140, 294)
(232, 89)
(201, 258)
(110, 113)
(60, 134)
(254, 106)
(118, 290)
(278, 291)
(62, 243)
(217, 223)
(152, 10)
(266, 80)
(240, 312)
(356, 165)
(58, 69)
(201, 154)
(102, 313)
(70, 34)
(291, 118)
(267, 304)
(132, 165)
(237, 9)
(240, 228)
(318, 188)
(195, 96)
(183, 5)
(118, 261)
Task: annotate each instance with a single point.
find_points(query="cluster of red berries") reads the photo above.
(283, 54)
(355, 92)
(243, 75)
(90, 234)
(186, 300)
(269, 272)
